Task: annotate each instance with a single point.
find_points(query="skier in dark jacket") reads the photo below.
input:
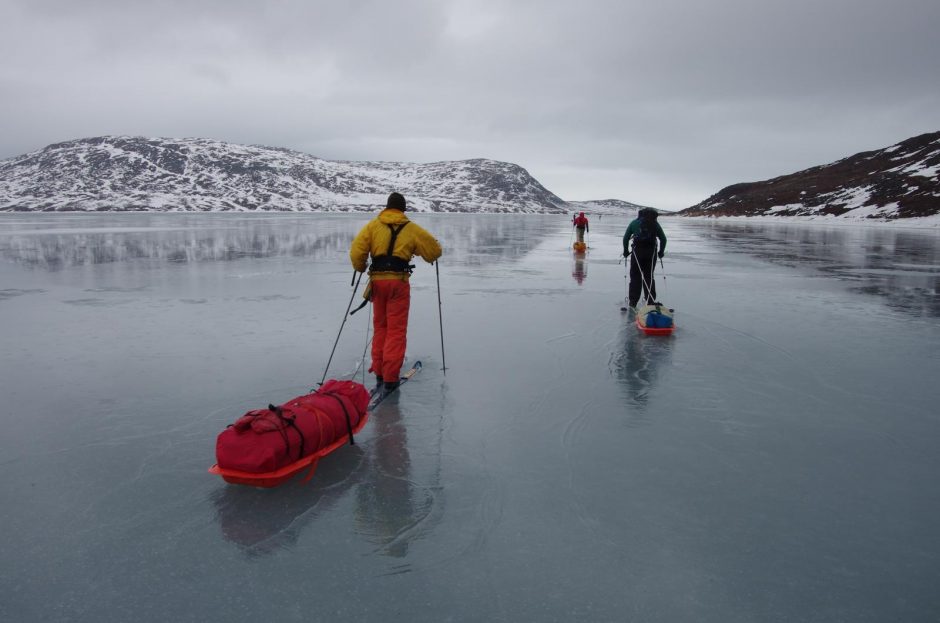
(644, 231)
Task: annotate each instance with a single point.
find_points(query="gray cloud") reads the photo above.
(658, 103)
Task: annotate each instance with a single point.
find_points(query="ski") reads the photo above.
(379, 394)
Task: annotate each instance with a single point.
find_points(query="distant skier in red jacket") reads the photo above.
(580, 223)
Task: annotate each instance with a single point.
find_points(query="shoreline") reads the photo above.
(923, 222)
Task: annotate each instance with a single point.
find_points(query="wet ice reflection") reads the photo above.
(900, 265)
(773, 460)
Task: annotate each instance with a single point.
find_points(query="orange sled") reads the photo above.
(266, 447)
(641, 317)
(282, 475)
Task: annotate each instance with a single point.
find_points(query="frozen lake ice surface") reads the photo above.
(774, 460)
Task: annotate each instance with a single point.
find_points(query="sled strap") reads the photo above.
(290, 422)
(342, 404)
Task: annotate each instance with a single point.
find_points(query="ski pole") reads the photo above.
(626, 272)
(626, 276)
(346, 315)
(664, 276)
(365, 349)
(440, 313)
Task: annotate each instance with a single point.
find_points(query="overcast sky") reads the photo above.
(657, 102)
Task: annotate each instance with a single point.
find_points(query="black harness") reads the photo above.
(389, 263)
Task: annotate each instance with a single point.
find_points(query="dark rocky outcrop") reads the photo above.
(901, 181)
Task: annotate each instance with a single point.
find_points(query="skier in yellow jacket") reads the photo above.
(392, 241)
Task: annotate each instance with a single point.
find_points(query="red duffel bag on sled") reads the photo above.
(265, 447)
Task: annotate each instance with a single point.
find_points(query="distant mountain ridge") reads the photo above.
(608, 206)
(132, 173)
(900, 181)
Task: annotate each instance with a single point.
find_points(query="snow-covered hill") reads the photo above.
(607, 206)
(900, 181)
(133, 173)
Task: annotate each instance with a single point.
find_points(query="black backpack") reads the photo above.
(646, 236)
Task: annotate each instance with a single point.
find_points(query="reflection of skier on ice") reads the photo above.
(580, 223)
(580, 270)
(388, 502)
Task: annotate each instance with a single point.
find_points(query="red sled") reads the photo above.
(658, 311)
(267, 447)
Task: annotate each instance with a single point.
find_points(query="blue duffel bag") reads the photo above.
(658, 320)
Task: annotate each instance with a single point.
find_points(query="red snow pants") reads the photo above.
(391, 299)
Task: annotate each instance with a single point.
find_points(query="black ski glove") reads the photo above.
(661, 254)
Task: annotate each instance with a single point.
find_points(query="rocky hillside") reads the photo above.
(901, 181)
(132, 173)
